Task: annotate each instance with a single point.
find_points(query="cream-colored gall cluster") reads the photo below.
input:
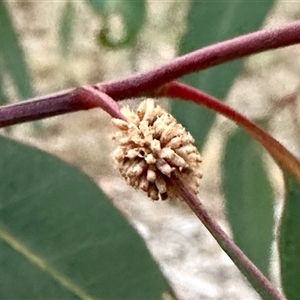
(153, 149)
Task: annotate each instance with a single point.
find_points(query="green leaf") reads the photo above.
(100, 6)
(210, 22)
(66, 27)
(133, 15)
(12, 56)
(3, 97)
(61, 238)
(289, 239)
(249, 199)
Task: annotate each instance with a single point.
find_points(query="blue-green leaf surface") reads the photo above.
(61, 238)
(210, 22)
(100, 6)
(66, 27)
(12, 57)
(249, 199)
(3, 97)
(289, 239)
(133, 15)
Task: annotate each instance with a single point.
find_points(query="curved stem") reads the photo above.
(143, 84)
(259, 282)
(202, 59)
(283, 157)
(92, 97)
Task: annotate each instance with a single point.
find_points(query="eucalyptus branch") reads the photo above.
(82, 98)
(283, 156)
(259, 282)
(143, 84)
(202, 59)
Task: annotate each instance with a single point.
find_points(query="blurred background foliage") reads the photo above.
(61, 232)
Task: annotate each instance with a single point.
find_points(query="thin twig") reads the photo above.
(283, 156)
(143, 84)
(259, 282)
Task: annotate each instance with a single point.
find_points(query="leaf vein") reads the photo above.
(33, 258)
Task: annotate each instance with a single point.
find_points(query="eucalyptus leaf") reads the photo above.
(100, 6)
(249, 199)
(66, 27)
(12, 56)
(210, 22)
(132, 13)
(61, 237)
(3, 97)
(289, 239)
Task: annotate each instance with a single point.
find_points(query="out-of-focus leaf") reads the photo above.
(133, 16)
(3, 97)
(61, 238)
(12, 56)
(289, 239)
(66, 27)
(100, 6)
(210, 22)
(249, 199)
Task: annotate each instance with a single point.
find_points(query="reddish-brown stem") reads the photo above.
(260, 283)
(82, 98)
(39, 108)
(144, 83)
(202, 59)
(283, 157)
(92, 97)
